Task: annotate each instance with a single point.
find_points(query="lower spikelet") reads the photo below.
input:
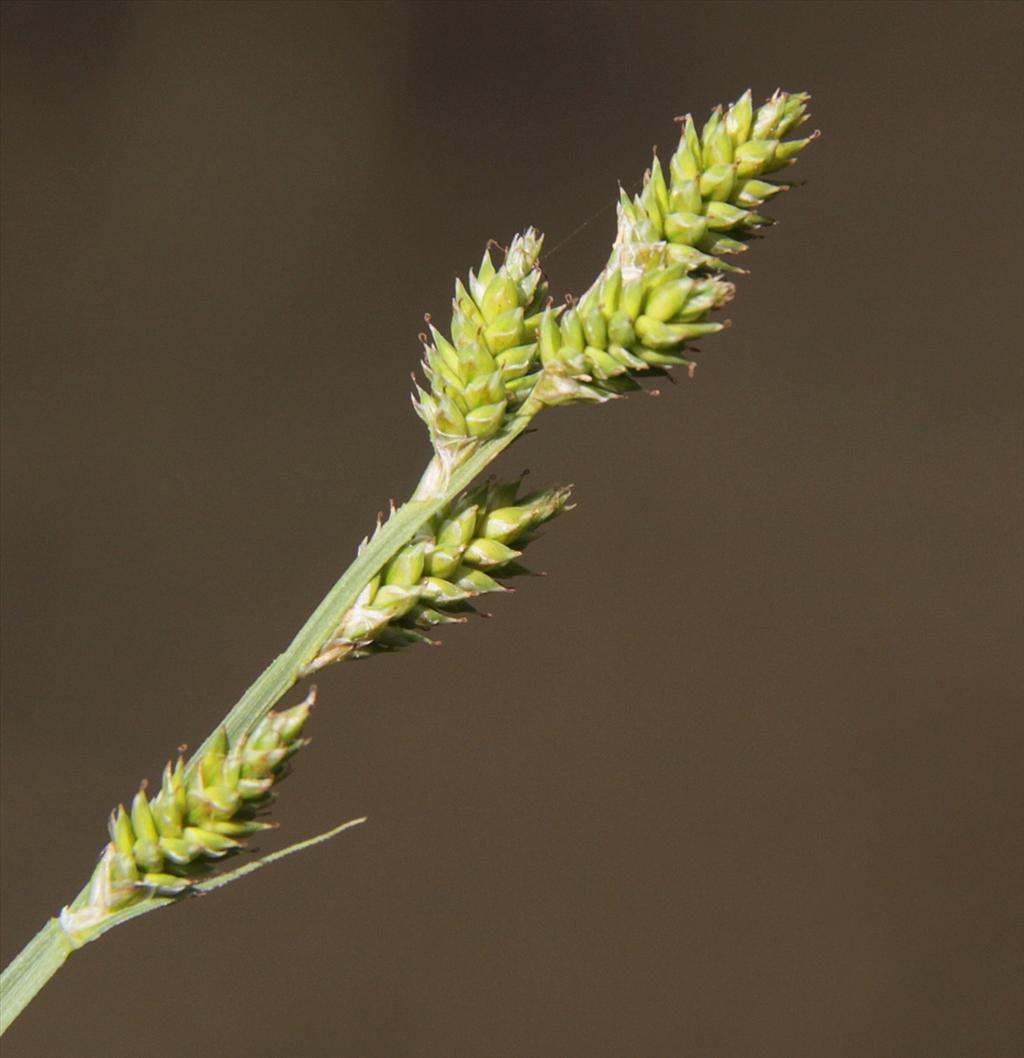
(196, 818)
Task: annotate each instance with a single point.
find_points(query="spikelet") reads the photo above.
(158, 845)
(510, 354)
(433, 579)
(485, 366)
(663, 280)
(707, 207)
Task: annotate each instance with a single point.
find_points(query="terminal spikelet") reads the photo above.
(158, 844)
(432, 580)
(663, 279)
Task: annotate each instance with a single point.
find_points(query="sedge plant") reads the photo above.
(509, 353)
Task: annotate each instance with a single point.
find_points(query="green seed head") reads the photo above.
(494, 320)
(469, 545)
(194, 819)
(662, 280)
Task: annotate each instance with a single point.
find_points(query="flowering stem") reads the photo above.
(287, 669)
(511, 352)
(40, 959)
(44, 955)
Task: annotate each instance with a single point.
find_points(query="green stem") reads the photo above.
(46, 952)
(287, 669)
(41, 958)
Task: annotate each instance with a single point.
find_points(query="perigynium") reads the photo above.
(508, 353)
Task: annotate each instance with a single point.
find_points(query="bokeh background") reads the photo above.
(741, 777)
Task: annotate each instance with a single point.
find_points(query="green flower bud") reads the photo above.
(478, 281)
(476, 582)
(610, 292)
(489, 554)
(647, 200)
(724, 216)
(625, 357)
(601, 364)
(442, 592)
(121, 831)
(657, 186)
(213, 759)
(717, 243)
(739, 118)
(498, 494)
(520, 388)
(486, 420)
(768, 118)
(660, 336)
(289, 724)
(695, 259)
(165, 884)
(515, 362)
(633, 297)
(595, 328)
(485, 389)
(718, 147)
(756, 192)
(397, 599)
(428, 617)
(688, 228)
(502, 295)
(217, 802)
(787, 152)
(210, 843)
(237, 828)
(685, 163)
(406, 567)
(168, 820)
(556, 387)
(717, 182)
(572, 330)
(181, 851)
(148, 855)
(456, 530)
(621, 330)
(253, 789)
(506, 523)
(506, 331)
(654, 358)
(124, 874)
(445, 354)
(667, 300)
(754, 158)
(474, 360)
(550, 339)
(708, 294)
(143, 824)
(449, 421)
(686, 197)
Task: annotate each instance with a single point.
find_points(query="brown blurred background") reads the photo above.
(741, 777)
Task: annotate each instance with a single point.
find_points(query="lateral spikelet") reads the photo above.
(485, 365)
(459, 556)
(158, 845)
